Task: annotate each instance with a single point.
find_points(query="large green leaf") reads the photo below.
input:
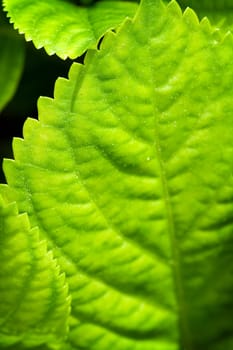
(34, 304)
(11, 61)
(64, 28)
(128, 174)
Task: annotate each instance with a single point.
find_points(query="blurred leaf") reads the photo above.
(12, 55)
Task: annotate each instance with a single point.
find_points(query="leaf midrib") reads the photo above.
(176, 270)
(185, 336)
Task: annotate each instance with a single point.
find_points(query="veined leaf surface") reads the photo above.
(11, 62)
(34, 303)
(128, 175)
(64, 28)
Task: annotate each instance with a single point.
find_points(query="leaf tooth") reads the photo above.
(42, 249)
(206, 25)
(5, 195)
(191, 18)
(65, 286)
(27, 37)
(174, 8)
(62, 276)
(4, 6)
(24, 219)
(34, 231)
(62, 89)
(8, 166)
(29, 125)
(108, 39)
(10, 208)
(125, 23)
(228, 38)
(217, 35)
(74, 71)
(49, 255)
(46, 110)
(18, 147)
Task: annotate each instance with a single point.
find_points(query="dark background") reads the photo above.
(38, 78)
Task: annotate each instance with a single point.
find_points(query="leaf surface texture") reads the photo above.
(63, 27)
(128, 175)
(34, 301)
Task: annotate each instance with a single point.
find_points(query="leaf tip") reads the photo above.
(228, 37)
(206, 25)
(29, 125)
(190, 17)
(174, 8)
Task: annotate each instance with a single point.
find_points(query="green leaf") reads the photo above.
(128, 175)
(218, 11)
(65, 28)
(34, 304)
(11, 62)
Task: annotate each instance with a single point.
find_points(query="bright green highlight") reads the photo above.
(128, 175)
(64, 28)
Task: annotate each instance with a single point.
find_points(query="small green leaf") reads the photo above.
(65, 28)
(128, 175)
(34, 304)
(11, 62)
